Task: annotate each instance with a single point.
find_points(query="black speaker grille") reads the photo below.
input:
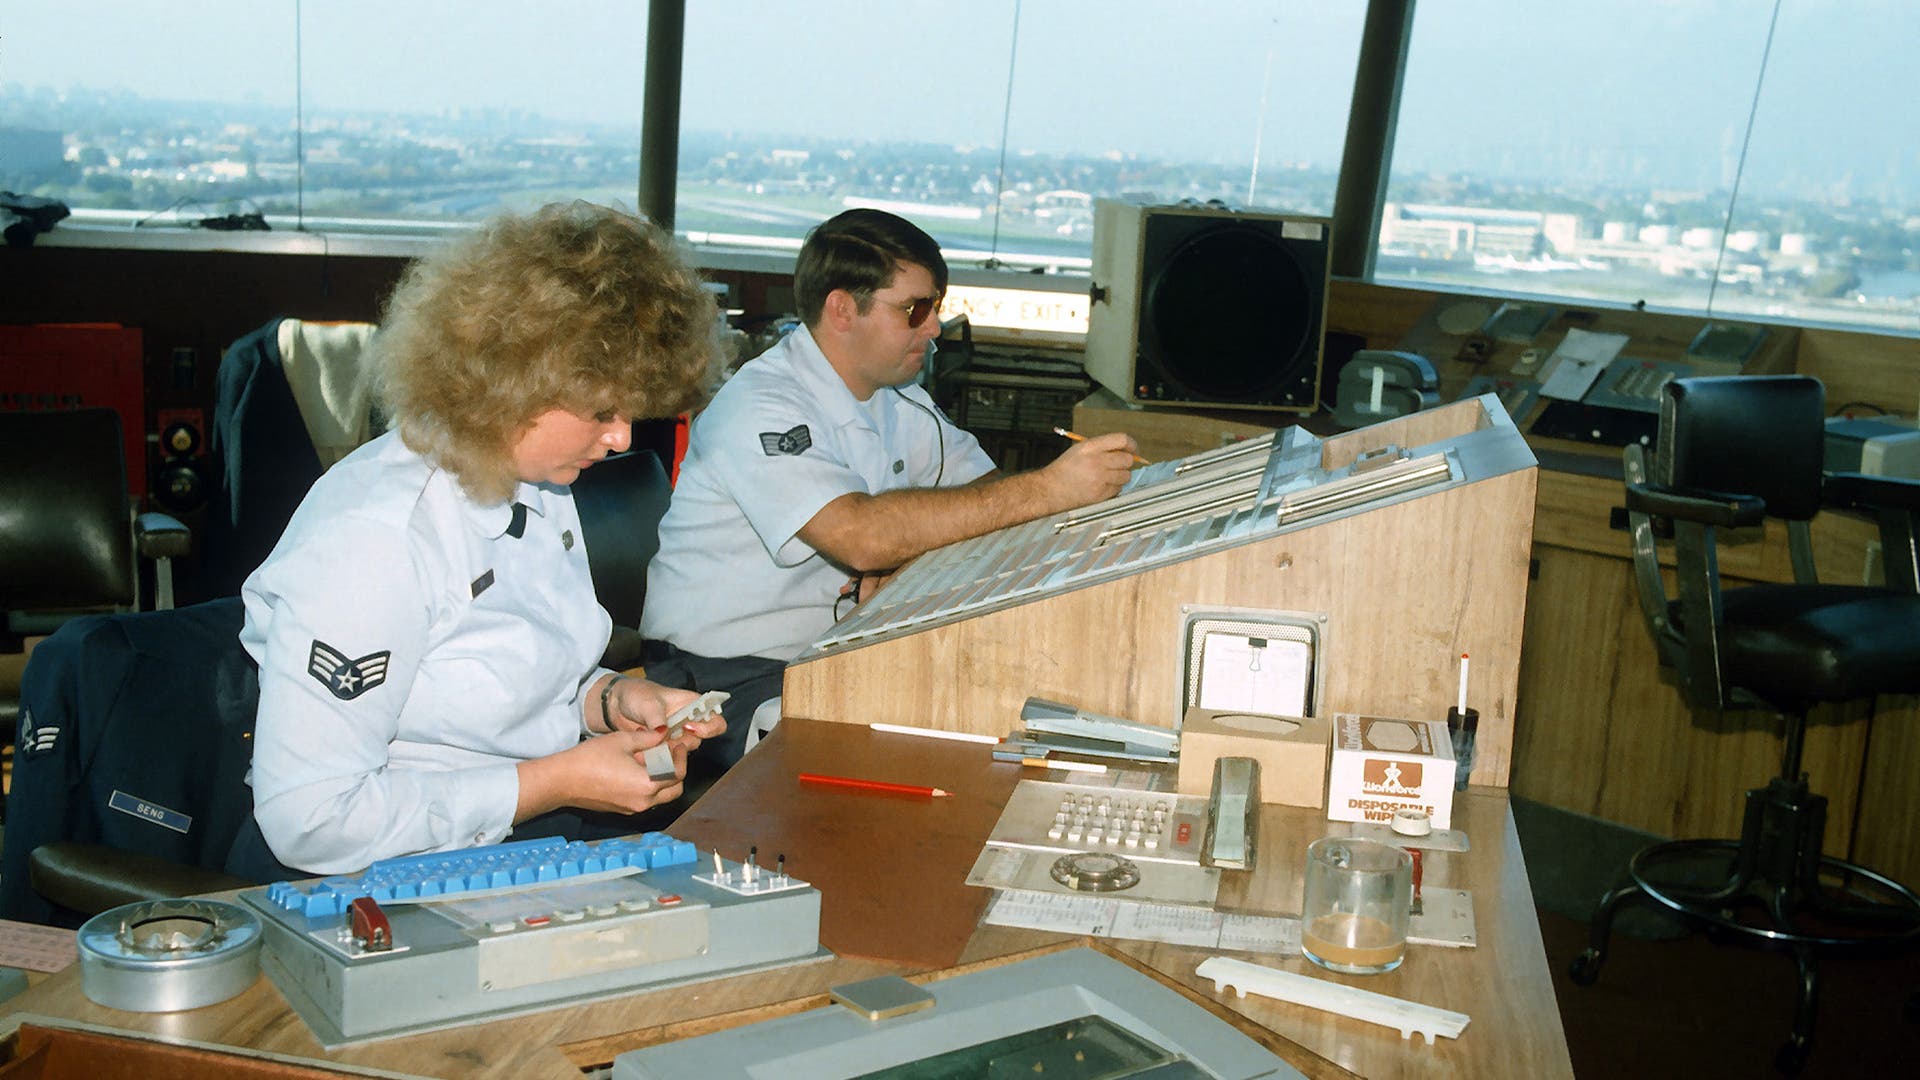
(1230, 312)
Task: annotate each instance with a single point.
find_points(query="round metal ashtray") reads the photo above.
(168, 955)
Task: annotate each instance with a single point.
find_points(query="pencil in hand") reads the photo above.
(1077, 437)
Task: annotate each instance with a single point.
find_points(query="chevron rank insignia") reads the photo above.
(793, 441)
(35, 740)
(346, 679)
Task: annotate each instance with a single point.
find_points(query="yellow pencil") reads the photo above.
(1077, 437)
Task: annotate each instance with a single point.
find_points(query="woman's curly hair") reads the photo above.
(574, 306)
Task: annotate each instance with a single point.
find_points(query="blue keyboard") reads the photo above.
(490, 868)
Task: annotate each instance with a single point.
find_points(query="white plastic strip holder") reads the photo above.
(1405, 1016)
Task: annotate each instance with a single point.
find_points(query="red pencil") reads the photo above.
(872, 785)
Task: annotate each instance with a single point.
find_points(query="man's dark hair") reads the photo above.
(859, 251)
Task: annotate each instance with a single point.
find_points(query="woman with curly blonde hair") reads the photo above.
(426, 629)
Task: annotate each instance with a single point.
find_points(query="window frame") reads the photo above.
(1360, 201)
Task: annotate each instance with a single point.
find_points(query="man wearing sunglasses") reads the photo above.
(821, 465)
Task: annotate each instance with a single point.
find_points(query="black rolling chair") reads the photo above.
(136, 735)
(621, 501)
(71, 541)
(1732, 452)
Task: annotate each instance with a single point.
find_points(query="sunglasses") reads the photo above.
(916, 309)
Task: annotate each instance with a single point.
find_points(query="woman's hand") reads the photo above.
(642, 705)
(606, 772)
(603, 773)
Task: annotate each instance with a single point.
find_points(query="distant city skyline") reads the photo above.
(1590, 169)
(1494, 89)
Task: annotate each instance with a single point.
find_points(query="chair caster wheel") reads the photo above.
(1792, 1056)
(1585, 968)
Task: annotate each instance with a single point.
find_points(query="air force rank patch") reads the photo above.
(793, 441)
(346, 679)
(35, 740)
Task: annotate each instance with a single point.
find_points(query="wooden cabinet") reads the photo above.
(1887, 836)
(1601, 730)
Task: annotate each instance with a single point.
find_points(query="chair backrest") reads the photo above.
(621, 501)
(1725, 441)
(136, 731)
(291, 399)
(1757, 435)
(66, 526)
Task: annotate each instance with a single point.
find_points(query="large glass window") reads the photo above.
(1694, 157)
(449, 110)
(1602, 151)
(426, 111)
(124, 106)
(995, 125)
(1826, 227)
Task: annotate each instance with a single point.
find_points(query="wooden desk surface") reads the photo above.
(914, 900)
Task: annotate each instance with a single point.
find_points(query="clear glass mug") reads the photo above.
(1359, 894)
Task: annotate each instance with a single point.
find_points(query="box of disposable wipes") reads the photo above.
(1380, 765)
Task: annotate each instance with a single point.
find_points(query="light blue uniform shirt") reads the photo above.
(412, 652)
(782, 439)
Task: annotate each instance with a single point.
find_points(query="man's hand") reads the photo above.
(860, 589)
(1091, 470)
(871, 583)
(870, 532)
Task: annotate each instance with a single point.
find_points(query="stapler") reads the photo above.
(1064, 727)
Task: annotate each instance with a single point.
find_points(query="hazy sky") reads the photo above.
(1493, 85)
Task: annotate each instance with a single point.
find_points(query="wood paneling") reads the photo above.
(1887, 831)
(1405, 588)
(1602, 733)
(1862, 368)
(1380, 314)
(1575, 513)
(1164, 435)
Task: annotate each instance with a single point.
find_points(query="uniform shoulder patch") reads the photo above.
(35, 739)
(346, 679)
(792, 441)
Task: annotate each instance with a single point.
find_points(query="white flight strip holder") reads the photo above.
(1405, 1016)
(658, 758)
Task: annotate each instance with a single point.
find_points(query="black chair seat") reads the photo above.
(1795, 644)
(92, 878)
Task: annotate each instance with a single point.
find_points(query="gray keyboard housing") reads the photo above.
(462, 961)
